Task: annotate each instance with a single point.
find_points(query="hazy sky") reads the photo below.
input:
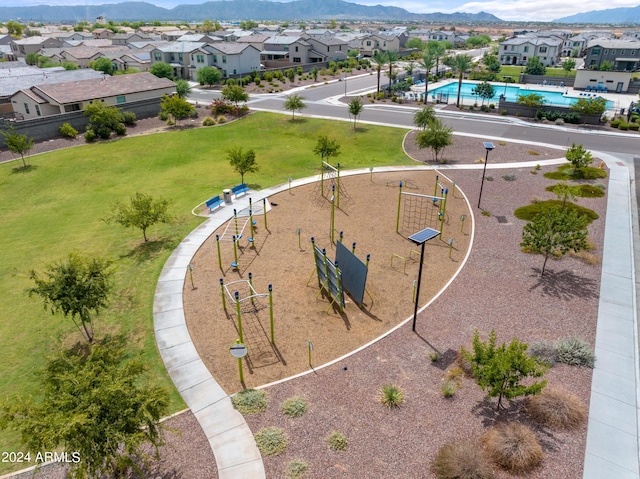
(522, 10)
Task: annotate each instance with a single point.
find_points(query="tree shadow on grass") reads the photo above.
(564, 284)
(22, 169)
(148, 250)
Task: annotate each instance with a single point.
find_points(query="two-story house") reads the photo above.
(622, 55)
(231, 58)
(178, 55)
(518, 50)
(24, 46)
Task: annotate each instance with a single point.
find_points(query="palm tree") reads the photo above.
(460, 64)
(426, 63)
(391, 59)
(437, 51)
(379, 57)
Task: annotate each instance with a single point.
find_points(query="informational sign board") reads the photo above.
(238, 350)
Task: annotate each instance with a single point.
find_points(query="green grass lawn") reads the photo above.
(514, 72)
(59, 206)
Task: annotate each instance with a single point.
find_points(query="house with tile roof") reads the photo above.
(178, 55)
(230, 58)
(622, 55)
(518, 50)
(73, 96)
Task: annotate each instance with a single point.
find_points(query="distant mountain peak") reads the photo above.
(619, 16)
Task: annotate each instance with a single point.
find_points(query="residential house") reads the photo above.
(126, 38)
(72, 36)
(173, 35)
(229, 35)
(198, 38)
(256, 40)
(334, 49)
(178, 55)
(102, 33)
(57, 98)
(371, 43)
(22, 47)
(518, 50)
(232, 59)
(622, 55)
(82, 56)
(576, 45)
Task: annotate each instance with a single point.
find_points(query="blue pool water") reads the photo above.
(512, 92)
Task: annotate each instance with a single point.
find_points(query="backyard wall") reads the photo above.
(516, 109)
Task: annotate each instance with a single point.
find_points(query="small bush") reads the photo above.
(503, 112)
(634, 126)
(297, 469)
(557, 408)
(271, 440)
(461, 460)
(534, 153)
(513, 447)
(623, 126)
(391, 395)
(103, 132)
(250, 401)
(68, 131)
(163, 115)
(575, 352)
(129, 118)
(615, 123)
(208, 121)
(544, 352)
(120, 129)
(222, 119)
(337, 441)
(294, 407)
(463, 362)
(455, 374)
(89, 136)
(510, 177)
(448, 388)
(434, 356)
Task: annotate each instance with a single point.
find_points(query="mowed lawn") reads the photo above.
(59, 206)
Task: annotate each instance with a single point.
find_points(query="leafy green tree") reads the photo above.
(355, 108)
(555, 233)
(568, 65)
(183, 89)
(78, 287)
(491, 62)
(566, 192)
(579, 159)
(590, 105)
(422, 117)
(314, 73)
(532, 99)
(248, 25)
(379, 58)
(97, 406)
(103, 65)
(17, 144)
(436, 136)
(208, 75)
(500, 370)
(70, 66)
(606, 66)
(142, 212)
(209, 26)
(415, 42)
(477, 41)
(460, 64)
(326, 147)
(242, 161)
(14, 28)
(177, 107)
(294, 103)
(31, 58)
(427, 62)
(235, 93)
(535, 67)
(162, 70)
(484, 90)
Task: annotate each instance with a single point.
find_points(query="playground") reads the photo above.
(372, 208)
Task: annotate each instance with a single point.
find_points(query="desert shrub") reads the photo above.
(297, 468)
(634, 118)
(513, 447)
(461, 460)
(510, 177)
(120, 129)
(68, 131)
(222, 119)
(103, 132)
(503, 112)
(575, 352)
(163, 115)
(543, 351)
(129, 118)
(448, 388)
(271, 440)
(294, 407)
(623, 126)
(250, 401)
(391, 395)
(557, 408)
(634, 126)
(337, 441)
(89, 136)
(208, 121)
(615, 123)
(462, 361)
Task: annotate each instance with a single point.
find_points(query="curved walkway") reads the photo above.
(612, 437)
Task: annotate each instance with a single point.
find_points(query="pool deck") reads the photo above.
(619, 100)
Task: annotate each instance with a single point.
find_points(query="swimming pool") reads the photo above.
(512, 92)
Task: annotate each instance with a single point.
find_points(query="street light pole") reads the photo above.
(345, 85)
(488, 146)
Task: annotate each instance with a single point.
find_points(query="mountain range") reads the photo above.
(619, 16)
(230, 10)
